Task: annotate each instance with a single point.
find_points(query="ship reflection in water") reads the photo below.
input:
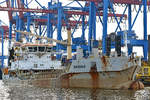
(28, 92)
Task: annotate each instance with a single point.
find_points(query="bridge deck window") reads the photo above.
(32, 49)
(41, 49)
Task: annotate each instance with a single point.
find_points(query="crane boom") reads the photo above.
(42, 37)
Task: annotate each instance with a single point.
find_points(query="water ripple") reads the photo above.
(28, 92)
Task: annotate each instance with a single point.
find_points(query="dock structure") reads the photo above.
(46, 20)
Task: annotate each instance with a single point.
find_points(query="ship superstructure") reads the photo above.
(27, 60)
(35, 57)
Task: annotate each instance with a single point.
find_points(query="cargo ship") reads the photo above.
(115, 70)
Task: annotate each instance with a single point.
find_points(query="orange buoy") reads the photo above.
(5, 71)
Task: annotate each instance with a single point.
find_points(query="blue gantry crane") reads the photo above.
(3, 35)
(48, 19)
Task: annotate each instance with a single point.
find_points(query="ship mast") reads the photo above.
(69, 48)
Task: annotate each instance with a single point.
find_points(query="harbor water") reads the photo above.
(28, 92)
